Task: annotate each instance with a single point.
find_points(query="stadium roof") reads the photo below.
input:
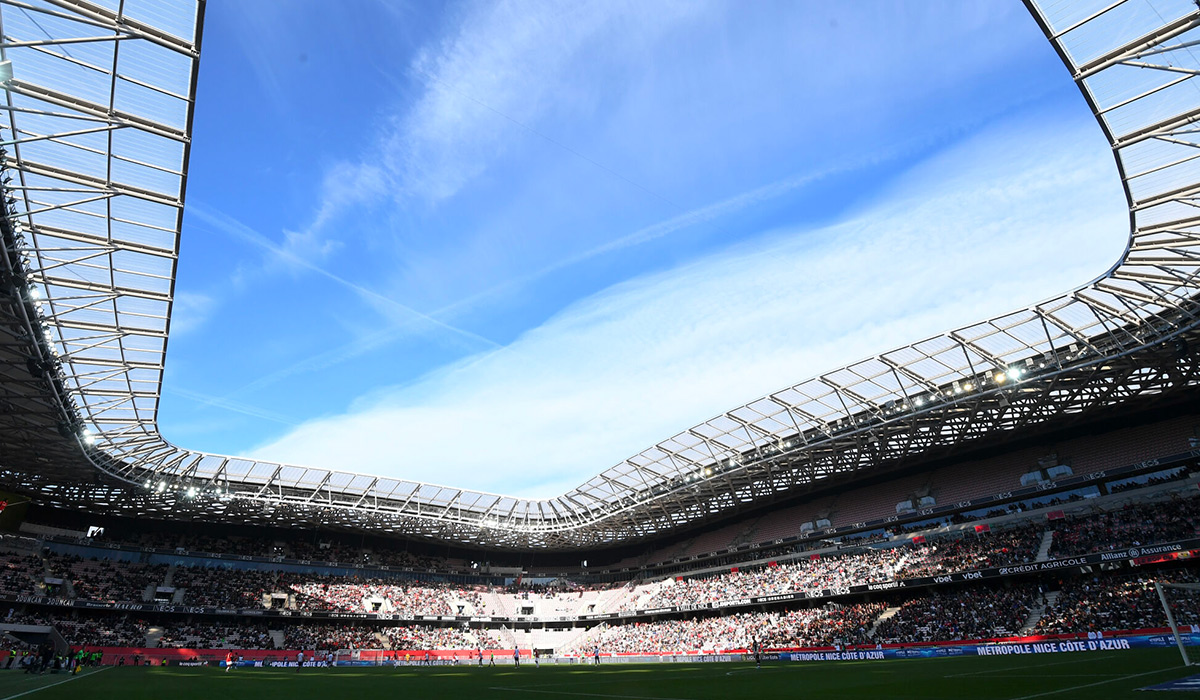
(97, 125)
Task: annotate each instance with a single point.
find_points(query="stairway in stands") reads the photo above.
(613, 600)
(68, 587)
(642, 595)
(1038, 611)
(1044, 550)
(583, 643)
(558, 640)
(879, 620)
(499, 603)
(507, 638)
(150, 592)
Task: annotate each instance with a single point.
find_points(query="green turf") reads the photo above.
(1056, 676)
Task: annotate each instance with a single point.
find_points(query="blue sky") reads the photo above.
(506, 245)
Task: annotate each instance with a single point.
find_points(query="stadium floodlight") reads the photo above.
(35, 293)
(1161, 587)
(1014, 373)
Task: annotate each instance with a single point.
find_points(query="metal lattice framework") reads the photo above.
(98, 123)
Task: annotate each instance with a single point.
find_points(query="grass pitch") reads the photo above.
(1054, 676)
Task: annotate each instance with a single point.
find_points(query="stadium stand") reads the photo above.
(796, 628)
(329, 637)
(106, 580)
(1108, 603)
(427, 637)
(21, 573)
(975, 613)
(1155, 505)
(1134, 525)
(964, 481)
(1116, 602)
(102, 630)
(355, 594)
(226, 585)
(879, 501)
(199, 635)
(786, 522)
(223, 587)
(1018, 545)
(950, 484)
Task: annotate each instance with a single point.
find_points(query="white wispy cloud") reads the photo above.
(391, 332)
(511, 58)
(707, 215)
(291, 253)
(190, 311)
(256, 23)
(501, 68)
(602, 99)
(1011, 217)
(346, 185)
(508, 58)
(229, 405)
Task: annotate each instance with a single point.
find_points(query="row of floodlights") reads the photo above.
(703, 473)
(1012, 375)
(25, 284)
(44, 363)
(25, 278)
(186, 492)
(726, 464)
(35, 295)
(708, 472)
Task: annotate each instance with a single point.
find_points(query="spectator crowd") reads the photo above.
(977, 612)
(1132, 526)
(1098, 604)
